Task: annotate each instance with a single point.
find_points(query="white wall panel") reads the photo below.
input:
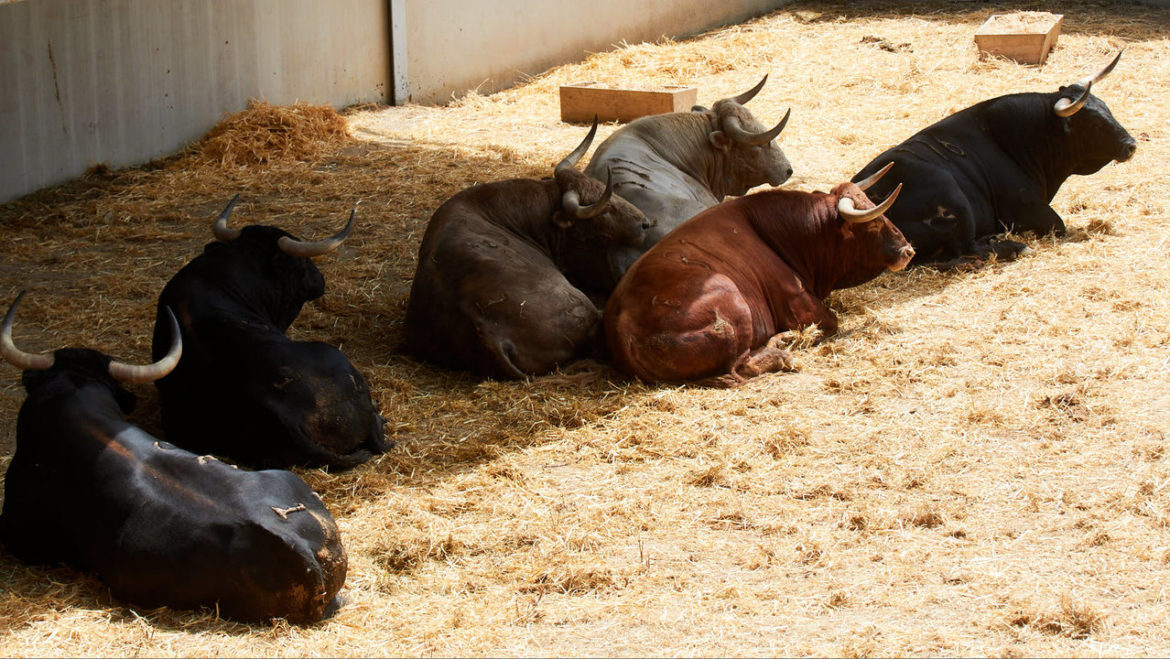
(123, 81)
(456, 45)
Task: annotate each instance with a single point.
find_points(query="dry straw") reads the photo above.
(265, 134)
(975, 465)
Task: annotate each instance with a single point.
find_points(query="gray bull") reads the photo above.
(673, 166)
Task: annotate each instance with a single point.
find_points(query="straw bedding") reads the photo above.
(976, 464)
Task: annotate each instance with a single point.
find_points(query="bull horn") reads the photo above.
(310, 249)
(735, 131)
(1067, 108)
(873, 178)
(571, 160)
(1100, 75)
(20, 359)
(222, 233)
(136, 374)
(853, 216)
(571, 201)
(751, 93)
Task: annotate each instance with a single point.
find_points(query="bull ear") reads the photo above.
(1067, 107)
(719, 140)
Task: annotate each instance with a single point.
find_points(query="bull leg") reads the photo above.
(1039, 218)
(1004, 249)
(770, 358)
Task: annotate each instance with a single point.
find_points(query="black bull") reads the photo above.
(157, 524)
(245, 390)
(996, 166)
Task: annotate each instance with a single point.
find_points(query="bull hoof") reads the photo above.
(333, 606)
(726, 381)
(1007, 250)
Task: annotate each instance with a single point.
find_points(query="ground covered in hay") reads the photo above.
(975, 465)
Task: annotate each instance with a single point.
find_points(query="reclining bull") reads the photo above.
(496, 291)
(713, 302)
(995, 167)
(673, 166)
(245, 390)
(158, 525)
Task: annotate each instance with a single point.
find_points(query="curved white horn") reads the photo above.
(751, 93)
(137, 374)
(25, 361)
(873, 178)
(571, 201)
(1100, 75)
(735, 131)
(222, 233)
(307, 249)
(1067, 107)
(569, 161)
(850, 213)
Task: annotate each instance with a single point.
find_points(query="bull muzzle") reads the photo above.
(905, 255)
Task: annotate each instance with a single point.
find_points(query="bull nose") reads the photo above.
(1128, 150)
(645, 224)
(905, 254)
(784, 176)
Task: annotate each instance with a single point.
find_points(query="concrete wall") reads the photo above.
(456, 45)
(122, 82)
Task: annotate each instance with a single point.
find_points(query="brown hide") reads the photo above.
(495, 291)
(705, 301)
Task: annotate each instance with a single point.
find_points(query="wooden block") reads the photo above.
(1023, 36)
(581, 101)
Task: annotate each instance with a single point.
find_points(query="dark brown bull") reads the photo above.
(711, 301)
(496, 291)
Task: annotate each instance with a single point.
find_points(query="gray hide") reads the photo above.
(672, 166)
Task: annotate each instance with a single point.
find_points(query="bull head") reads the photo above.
(848, 210)
(125, 373)
(1066, 107)
(571, 200)
(287, 244)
